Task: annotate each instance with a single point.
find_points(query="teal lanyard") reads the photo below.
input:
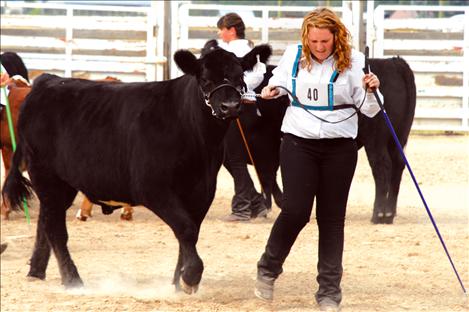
(330, 87)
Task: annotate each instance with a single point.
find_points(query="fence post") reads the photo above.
(175, 34)
(370, 27)
(378, 47)
(69, 42)
(265, 25)
(351, 17)
(150, 58)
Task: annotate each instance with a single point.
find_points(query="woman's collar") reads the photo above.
(328, 59)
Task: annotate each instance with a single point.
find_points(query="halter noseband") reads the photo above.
(208, 95)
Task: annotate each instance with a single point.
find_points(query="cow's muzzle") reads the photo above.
(227, 109)
(230, 109)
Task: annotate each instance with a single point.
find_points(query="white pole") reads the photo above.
(370, 27)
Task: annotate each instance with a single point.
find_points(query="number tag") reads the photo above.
(312, 94)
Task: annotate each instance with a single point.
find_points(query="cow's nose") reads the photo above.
(230, 108)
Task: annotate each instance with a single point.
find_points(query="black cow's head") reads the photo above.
(220, 75)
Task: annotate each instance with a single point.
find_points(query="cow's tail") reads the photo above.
(408, 76)
(16, 188)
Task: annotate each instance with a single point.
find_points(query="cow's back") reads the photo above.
(85, 123)
(118, 134)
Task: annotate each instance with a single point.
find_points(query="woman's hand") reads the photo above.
(269, 92)
(370, 82)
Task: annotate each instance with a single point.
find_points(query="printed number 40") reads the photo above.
(313, 96)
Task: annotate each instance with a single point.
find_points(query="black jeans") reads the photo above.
(321, 169)
(246, 200)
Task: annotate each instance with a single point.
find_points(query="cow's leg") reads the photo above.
(189, 266)
(6, 156)
(263, 204)
(55, 198)
(398, 166)
(277, 194)
(269, 181)
(85, 211)
(381, 166)
(267, 177)
(56, 232)
(41, 251)
(5, 211)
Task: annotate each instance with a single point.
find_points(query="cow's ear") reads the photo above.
(249, 60)
(187, 62)
(209, 46)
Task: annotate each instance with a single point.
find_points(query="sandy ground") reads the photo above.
(128, 266)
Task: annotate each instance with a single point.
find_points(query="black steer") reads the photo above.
(397, 84)
(262, 132)
(155, 144)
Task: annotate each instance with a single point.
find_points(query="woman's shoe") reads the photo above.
(264, 289)
(328, 305)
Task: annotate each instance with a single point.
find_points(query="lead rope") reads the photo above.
(246, 145)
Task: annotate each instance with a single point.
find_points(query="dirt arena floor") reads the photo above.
(128, 266)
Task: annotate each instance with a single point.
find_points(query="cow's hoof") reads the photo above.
(126, 217)
(81, 216)
(375, 219)
(382, 219)
(32, 277)
(388, 220)
(74, 283)
(187, 288)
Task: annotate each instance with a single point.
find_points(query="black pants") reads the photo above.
(321, 169)
(246, 200)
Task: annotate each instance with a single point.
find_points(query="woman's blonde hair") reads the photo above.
(326, 19)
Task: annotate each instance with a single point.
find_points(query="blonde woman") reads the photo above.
(318, 153)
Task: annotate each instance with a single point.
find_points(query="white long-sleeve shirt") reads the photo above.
(348, 89)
